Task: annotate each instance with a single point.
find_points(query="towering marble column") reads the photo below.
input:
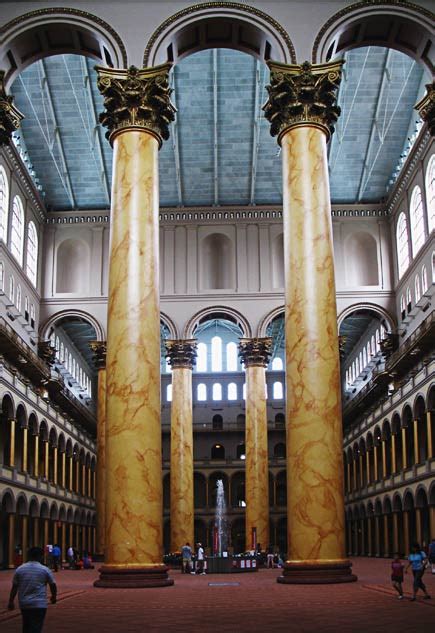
(10, 117)
(181, 355)
(255, 354)
(138, 112)
(301, 109)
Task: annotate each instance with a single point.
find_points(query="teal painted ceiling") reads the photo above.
(220, 151)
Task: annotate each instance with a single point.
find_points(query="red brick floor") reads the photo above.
(259, 603)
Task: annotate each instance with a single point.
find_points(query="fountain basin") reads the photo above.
(231, 564)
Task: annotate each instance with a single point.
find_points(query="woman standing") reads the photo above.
(417, 560)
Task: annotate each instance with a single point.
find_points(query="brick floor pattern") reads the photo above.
(258, 604)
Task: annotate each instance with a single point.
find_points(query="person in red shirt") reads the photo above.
(397, 568)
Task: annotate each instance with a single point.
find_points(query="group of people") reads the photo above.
(187, 566)
(419, 562)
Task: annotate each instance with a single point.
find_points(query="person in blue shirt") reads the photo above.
(417, 560)
(56, 557)
(30, 582)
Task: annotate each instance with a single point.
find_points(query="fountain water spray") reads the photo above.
(221, 527)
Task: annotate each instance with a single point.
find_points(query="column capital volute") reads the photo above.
(302, 95)
(255, 352)
(136, 99)
(99, 350)
(181, 352)
(426, 107)
(10, 116)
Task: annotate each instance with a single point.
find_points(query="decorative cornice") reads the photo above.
(26, 181)
(361, 5)
(426, 107)
(301, 95)
(10, 116)
(136, 99)
(181, 352)
(255, 352)
(196, 8)
(99, 350)
(93, 19)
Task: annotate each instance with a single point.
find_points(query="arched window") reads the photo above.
(408, 299)
(356, 367)
(232, 391)
(402, 244)
(216, 353)
(32, 314)
(201, 392)
(402, 305)
(4, 205)
(18, 298)
(69, 363)
(32, 253)
(277, 391)
(424, 285)
(217, 452)
(277, 364)
(378, 346)
(17, 230)
(12, 289)
(2, 277)
(368, 352)
(373, 345)
(361, 364)
(244, 391)
(169, 393)
(417, 288)
(217, 422)
(201, 359)
(417, 220)
(232, 357)
(364, 353)
(62, 352)
(217, 391)
(430, 193)
(383, 332)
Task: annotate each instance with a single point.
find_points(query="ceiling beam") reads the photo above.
(96, 143)
(215, 127)
(57, 136)
(175, 139)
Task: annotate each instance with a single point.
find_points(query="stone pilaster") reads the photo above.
(302, 111)
(138, 113)
(181, 355)
(255, 354)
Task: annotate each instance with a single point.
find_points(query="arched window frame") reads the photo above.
(278, 393)
(364, 354)
(4, 204)
(201, 358)
(169, 392)
(408, 299)
(17, 230)
(232, 356)
(277, 364)
(430, 193)
(32, 253)
(18, 298)
(217, 392)
(12, 289)
(402, 242)
(424, 284)
(232, 391)
(216, 354)
(417, 288)
(2, 277)
(416, 214)
(201, 392)
(402, 303)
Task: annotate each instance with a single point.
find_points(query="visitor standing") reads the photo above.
(56, 557)
(70, 557)
(270, 556)
(417, 560)
(397, 568)
(200, 559)
(432, 554)
(186, 555)
(30, 582)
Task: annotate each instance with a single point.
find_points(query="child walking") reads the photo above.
(397, 568)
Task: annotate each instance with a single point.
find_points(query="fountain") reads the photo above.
(222, 562)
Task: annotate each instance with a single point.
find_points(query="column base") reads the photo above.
(130, 578)
(316, 572)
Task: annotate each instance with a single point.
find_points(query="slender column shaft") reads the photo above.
(375, 463)
(418, 530)
(77, 475)
(55, 538)
(377, 537)
(71, 535)
(25, 536)
(182, 512)
(384, 459)
(55, 456)
(12, 430)
(25, 441)
(386, 540)
(36, 532)
(416, 446)
(404, 452)
(133, 432)
(393, 455)
(369, 536)
(89, 484)
(84, 478)
(406, 531)
(432, 519)
(63, 481)
(46, 459)
(361, 470)
(395, 532)
(36, 456)
(46, 527)
(429, 435)
(349, 487)
(11, 540)
(71, 470)
(63, 546)
(363, 538)
(369, 479)
(355, 476)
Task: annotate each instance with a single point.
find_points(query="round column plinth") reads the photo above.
(130, 578)
(317, 573)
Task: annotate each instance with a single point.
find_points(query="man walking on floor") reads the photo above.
(30, 582)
